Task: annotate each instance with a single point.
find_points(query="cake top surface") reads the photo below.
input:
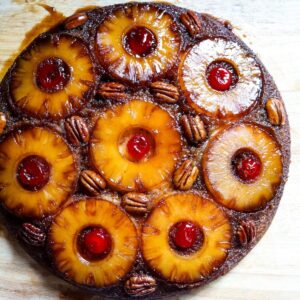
(144, 149)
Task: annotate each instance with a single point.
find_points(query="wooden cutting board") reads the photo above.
(272, 270)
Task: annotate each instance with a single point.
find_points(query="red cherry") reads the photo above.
(97, 241)
(247, 165)
(185, 235)
(140, 41)
(138, 146)
(33, 172)
(219, 78)
(52, 74)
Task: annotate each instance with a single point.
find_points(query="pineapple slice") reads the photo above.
(37, 172)
(177, 256)
(97, 247)
(220, 79)
(53, 78)
(135, 146)
(137, 43)
(242, 167)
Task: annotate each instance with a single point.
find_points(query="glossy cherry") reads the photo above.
(220, 78)
(185, 235)
(52, 74)
(247, 165)
(138, 146)
(96, 242)
(140, 41)
(33, 172)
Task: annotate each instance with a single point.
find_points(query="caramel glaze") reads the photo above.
(212, 27)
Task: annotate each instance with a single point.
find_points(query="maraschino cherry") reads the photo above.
(220, 78)
(138, 146)
(33, 172)
(185, 235)
(95, 242)
(247, 165)
(52, 74)
(140, 41)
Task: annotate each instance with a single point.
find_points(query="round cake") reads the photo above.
(144, 149)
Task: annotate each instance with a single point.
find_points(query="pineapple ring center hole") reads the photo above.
(139, 41)
(94, 243)
(221, 75)
(52, 74)
(186, 237)
(246, 165)
(33, 173)
(136, 144)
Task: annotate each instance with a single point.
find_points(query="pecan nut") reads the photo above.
(92, 182)
(140, 285)
(136, 203)
(32, 235)
(2, 122)
(164, 92)
(186, 175)
(75, 20)
(246, 233)
(112, 90)
(192, 22)
(276, 112)
(194, 128)
(77, 130)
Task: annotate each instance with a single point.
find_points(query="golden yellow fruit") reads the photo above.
(53, 78)
(173, 265)
(117, 128)
(47, 145)
(64, 233)
(137, 43)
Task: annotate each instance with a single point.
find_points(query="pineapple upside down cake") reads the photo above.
(143, 151)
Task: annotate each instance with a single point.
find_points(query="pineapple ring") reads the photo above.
(26, 94)
(221, 181)
(122, 173)
(63, 171)
(121, 64)
(198, 265)
(202, 97)
(71, 220)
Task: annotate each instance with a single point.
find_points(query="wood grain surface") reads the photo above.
(272, 270)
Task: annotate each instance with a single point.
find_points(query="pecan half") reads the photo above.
(2, 122)
(92, 182)
(136, 203)
(276, 112)
(194, 128)
(186, 175)
(77, 130)
(164, 92)
(75, 20)
(113, 90)
(246, 232)
(140, 285)
(32, 235)
(192, 22)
